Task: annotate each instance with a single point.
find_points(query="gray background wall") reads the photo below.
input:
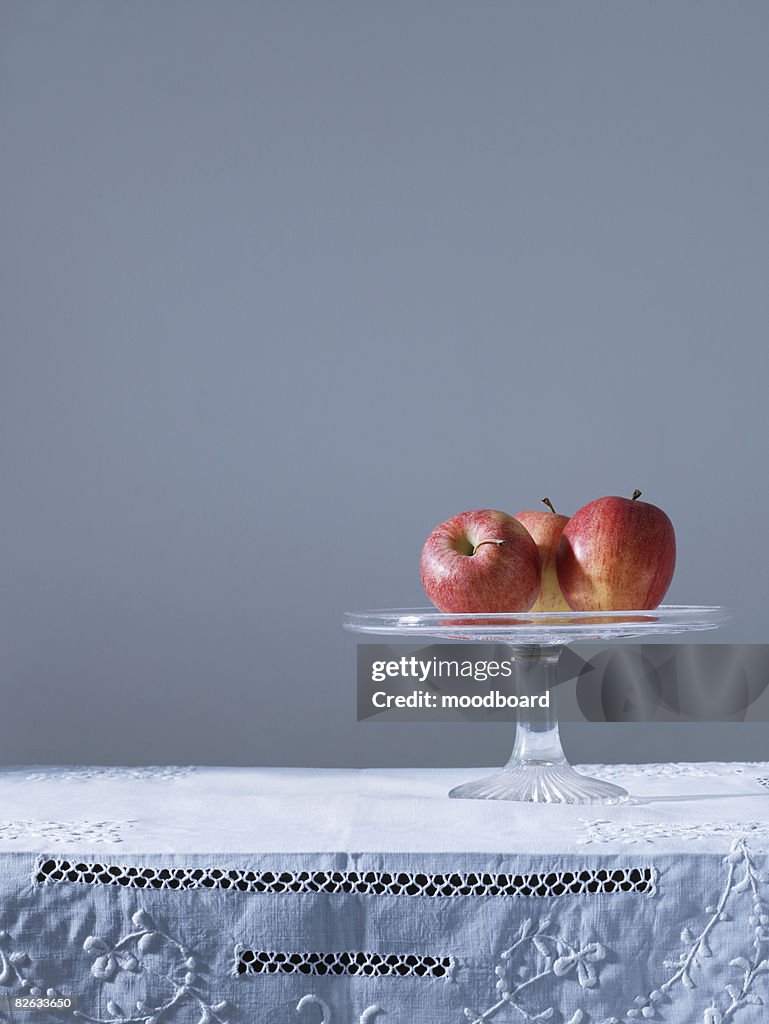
(285, 284)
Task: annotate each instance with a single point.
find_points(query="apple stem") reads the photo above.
(499, 544)
(636, 495)
(548, 502)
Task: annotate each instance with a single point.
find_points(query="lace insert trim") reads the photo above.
(378, 965)
(370, 883)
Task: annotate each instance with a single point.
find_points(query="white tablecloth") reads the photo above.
(224, 894)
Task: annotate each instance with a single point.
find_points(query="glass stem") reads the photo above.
(537, 740)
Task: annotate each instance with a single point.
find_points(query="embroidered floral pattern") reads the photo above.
(16, 971)
(672, 770)
(87, 773)
(540, 952)
(633, 833)
(183, 984)
(64, 831)
(741, 877)
(366, 1017)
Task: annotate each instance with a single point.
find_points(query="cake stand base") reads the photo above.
(542, 782)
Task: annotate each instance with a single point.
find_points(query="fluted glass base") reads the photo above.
(541, 782)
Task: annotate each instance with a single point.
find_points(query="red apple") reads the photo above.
(481, 562)
(616, 554)
(546, 529)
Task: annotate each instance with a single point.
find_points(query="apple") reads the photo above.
(483, 561)
(546, 529)
(616, 554)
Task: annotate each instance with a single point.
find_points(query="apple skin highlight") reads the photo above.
(481, 561)
(616, 554)
(546, 528)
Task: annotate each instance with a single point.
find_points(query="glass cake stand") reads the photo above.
(537, 770)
